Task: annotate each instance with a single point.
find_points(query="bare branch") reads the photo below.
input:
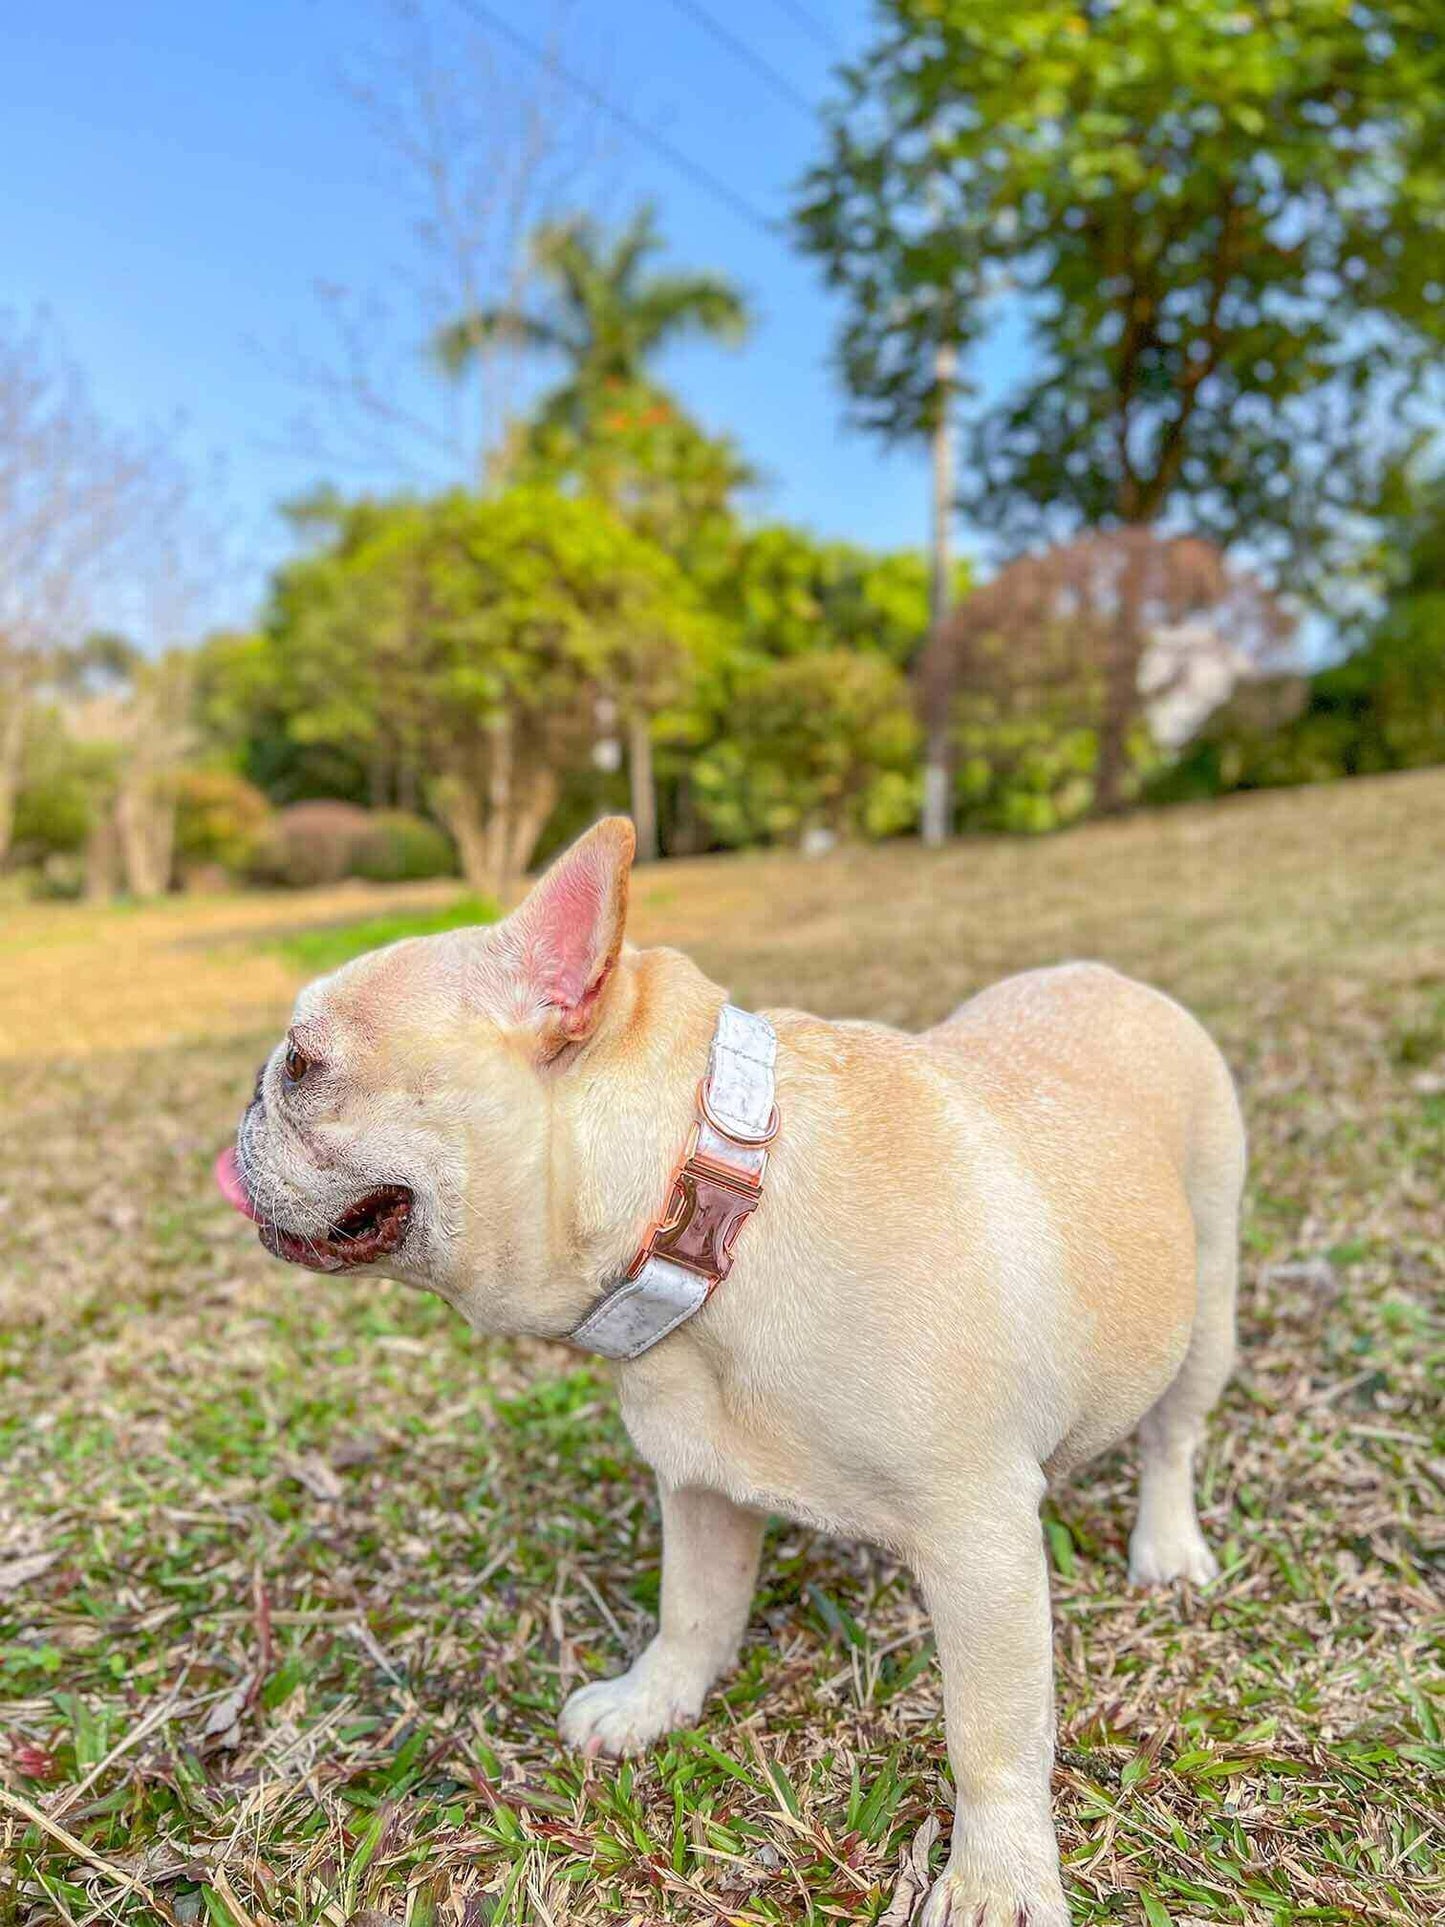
(97, 527)
(477, 159)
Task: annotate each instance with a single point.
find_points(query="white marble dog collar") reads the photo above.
(716, 1187)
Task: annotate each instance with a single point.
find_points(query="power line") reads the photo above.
(699, 175)
(811, 25)
(748, 55)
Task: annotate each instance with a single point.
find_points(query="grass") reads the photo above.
(319, 949)
(295, 1574)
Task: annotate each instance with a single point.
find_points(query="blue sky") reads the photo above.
(179, 178)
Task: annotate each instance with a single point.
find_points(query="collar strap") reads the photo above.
(689, 1251)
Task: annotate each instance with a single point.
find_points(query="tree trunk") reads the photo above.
(130, 831)
(938, 762)
(163, 838)
(530, 821)
(1121, 688)
(145, 822)
(12, 750)
(686, 837)
(644, 788)
(499, 806)
(460, 809)
(101, 853)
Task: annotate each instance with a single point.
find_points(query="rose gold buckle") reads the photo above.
(706, 1213)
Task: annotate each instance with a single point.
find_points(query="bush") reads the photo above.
(311, 844)
(823, 741)
(1028, 774)
(52, 815)
(1381, 708)
(63, 784)
(401, 848)
(220, 819)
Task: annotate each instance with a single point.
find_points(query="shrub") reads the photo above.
(220, 819)
(52, 814)
(310, 844)
(63, 784)
(401, 848)
(818, 741)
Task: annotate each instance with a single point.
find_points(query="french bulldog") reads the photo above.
(975, 1258)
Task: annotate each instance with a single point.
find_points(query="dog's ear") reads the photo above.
(568, 932)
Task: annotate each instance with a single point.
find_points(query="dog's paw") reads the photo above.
(1160, 1556)
(961, 1900)
(625, 1715)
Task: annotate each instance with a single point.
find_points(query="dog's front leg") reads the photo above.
(710, 1553)
(987, 1589)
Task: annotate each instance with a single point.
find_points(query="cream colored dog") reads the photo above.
(980, 1255)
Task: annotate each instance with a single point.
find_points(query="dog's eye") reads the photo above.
(295, 1064)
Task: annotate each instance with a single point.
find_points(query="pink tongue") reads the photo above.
(233, 1185)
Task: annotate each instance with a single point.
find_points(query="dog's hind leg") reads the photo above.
(986, 1582)
(1166, 1543)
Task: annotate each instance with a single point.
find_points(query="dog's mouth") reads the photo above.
(371, 1228)
(367, 1230)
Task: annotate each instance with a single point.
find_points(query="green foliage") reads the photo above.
(440, 617)
(1381, 708)
(477, 634)
(820, 740)
(784, 593)
(412, 630)
(316, 951)
(220, 818)
(252, 715)
(1029, 772)
(61, 783)
(325, 949)
(606, 311)
(402, 848)
(1221, 226)
(644, 455)
(52, 814)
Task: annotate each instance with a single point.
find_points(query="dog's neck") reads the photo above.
(621, 1120)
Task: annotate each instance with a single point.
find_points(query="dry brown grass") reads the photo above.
(324, 1566)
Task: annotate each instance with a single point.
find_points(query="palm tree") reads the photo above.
(607, 313)
(604, 310)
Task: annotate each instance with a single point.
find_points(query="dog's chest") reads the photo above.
(685, 1435)
(691, 1435)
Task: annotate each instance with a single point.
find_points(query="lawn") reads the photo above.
(294, 1573)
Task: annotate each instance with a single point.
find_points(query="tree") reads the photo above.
(787, 593)
(647, 458)
(73, 498)
(131, 715)
(607, 313)
(824, 740)
(1219, 226)
(796, 718)
(674, 484)
(474, 152)
(485, 629)
(1380, 708)
(1038, 666)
